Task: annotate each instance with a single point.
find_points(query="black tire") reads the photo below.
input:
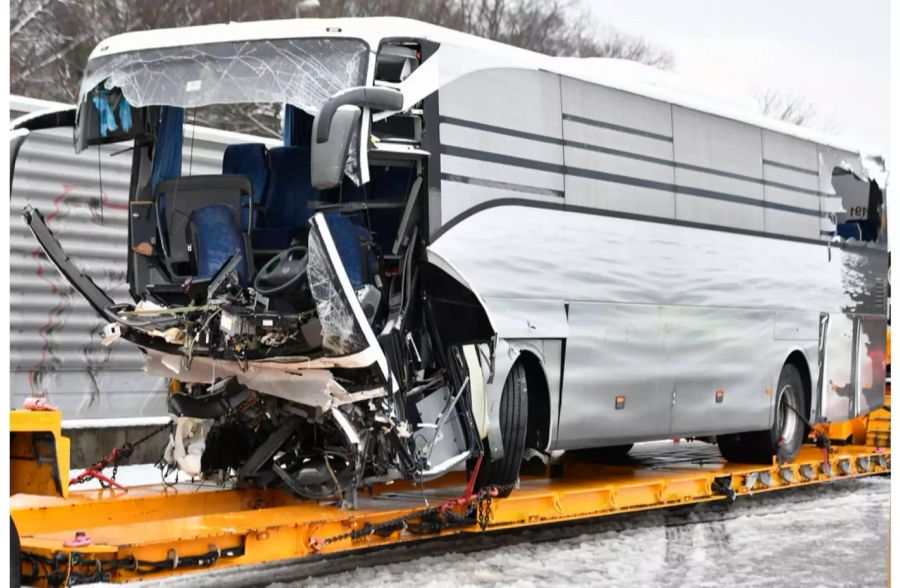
(15, 556)
(614, 454)
(513, 426)
(788, 429)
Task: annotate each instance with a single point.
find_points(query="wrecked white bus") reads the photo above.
(466, 254)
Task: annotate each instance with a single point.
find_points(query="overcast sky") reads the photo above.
(833, 52)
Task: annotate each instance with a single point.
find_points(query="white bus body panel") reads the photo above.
(674, 253)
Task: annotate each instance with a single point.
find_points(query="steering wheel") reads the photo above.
(281, 272)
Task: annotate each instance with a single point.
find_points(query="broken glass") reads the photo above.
(341, 334)
(302, 72)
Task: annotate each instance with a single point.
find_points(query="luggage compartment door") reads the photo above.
(851, 365)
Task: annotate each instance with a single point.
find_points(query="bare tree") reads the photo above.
(795, 109)
(614, 43)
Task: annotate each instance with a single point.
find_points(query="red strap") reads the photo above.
(470, 487)
(96, 471)
(39, 403)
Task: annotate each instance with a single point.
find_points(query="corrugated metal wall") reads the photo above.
(55, 336)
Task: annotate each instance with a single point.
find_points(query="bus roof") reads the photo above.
(613, 73)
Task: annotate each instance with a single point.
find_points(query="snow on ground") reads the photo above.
(833, 535)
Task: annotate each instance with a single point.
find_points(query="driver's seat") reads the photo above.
(216, 237)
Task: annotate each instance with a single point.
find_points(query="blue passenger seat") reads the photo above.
(250, 160)
(387, 191)
(850, 230)
(216, 237)
(286, 211)
(352, 242)
(178, 198)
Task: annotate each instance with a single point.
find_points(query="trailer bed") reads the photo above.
(157, 531)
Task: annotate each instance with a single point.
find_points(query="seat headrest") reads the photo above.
(290, 189)
(251, 160)
(238, 184)
(282, 156)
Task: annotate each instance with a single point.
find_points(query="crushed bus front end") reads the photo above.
(289, 300)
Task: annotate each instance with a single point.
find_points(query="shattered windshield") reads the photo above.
(302, 72)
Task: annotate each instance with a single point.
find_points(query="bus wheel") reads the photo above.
(788, 429)
(15, 556)
(513, 426)
(614, 454)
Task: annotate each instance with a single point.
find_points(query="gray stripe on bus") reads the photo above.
(498, 158)
(629, 154)
(559, 206)
(502, 185)
(614, 127)
(790, 167)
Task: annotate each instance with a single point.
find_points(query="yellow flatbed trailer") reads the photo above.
(157, 531)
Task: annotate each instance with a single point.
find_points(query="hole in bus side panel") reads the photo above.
(863, 202)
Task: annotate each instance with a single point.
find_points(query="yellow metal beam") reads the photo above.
(39, 454)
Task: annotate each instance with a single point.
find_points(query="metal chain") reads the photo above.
(485, 506)
(485, 503)
(122, 453)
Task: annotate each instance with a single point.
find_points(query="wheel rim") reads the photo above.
(787, 417)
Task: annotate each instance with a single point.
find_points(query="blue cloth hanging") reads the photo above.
(297, 126)
(107, 114)
(125, 114)
(169, 140)
(288, 122)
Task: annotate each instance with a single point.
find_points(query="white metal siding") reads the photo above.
(55, 336)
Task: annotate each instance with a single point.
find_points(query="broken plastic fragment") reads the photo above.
(170, 335)
(300, 382)
(187, 444)
(111, 334)
(147, 305)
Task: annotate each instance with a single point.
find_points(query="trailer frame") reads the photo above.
(159, 531)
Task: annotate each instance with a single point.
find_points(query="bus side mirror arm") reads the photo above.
(334, 125)
(380, 98)
(328, 159)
